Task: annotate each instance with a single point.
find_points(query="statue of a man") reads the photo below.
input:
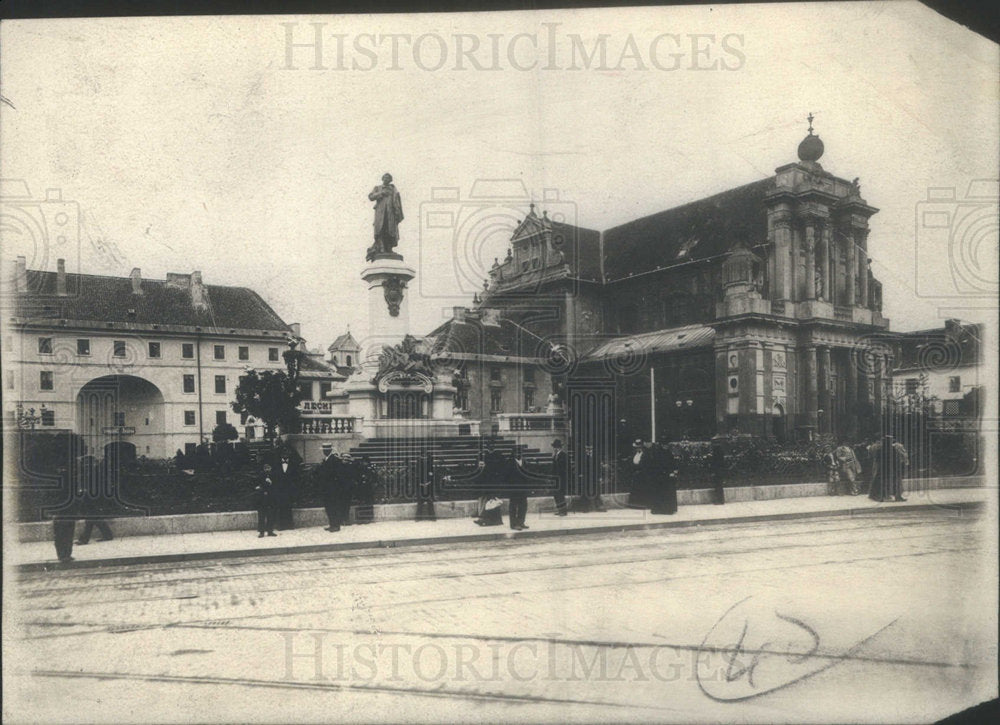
(388, 215)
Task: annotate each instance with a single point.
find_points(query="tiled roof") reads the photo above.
(472, 337)
(345, 342)
(698, 230)
(100, 298)
(314, 364)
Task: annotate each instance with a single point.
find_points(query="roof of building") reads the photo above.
(699, 230)
(317, 366)
(469, 336)
(956, 345)
(344, 342)
(100, 298)
(636, 347)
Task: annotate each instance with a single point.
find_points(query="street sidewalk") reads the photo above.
(40, 556)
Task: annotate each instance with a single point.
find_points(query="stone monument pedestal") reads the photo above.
(387, 276)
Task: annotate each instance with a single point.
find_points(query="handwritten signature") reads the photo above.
(750, 652)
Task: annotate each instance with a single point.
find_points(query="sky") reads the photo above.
(221, 144)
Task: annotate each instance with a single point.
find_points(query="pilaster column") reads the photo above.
(812, 392)
(783, 259)
(853, 397)
(852, 267)
(823, 399)
(876, 375)
(824, 261)
(810, 240)
(863, 266)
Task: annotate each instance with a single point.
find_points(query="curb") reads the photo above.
(468, 538)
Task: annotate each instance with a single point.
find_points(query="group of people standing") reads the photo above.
(886, 460)
(342, 479)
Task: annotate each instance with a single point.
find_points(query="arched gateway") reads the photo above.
(122, 410)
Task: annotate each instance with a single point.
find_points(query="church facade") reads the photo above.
(754, 310)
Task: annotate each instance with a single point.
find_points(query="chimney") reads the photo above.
(21, 275)
(458, 313)
(296, 329)
(136, 277)
(199, 296)
(61, 277)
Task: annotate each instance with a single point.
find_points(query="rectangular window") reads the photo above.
(10, 380)
(45, 380)
(306, 388)
(529, 375)
(496, 401)
(45, 346)
(187, 350)
(912, 386)
(220, 352)
(244, 352)
(272, 354)
(48, 417)
(188, 417)
(220, 417)
(495, 375)
(324, 390)
(154, 349)
(119, 418)
(119, 348)
(529, 399)
(955, 384)
(83, 346)
(220, 383)
(189, 383)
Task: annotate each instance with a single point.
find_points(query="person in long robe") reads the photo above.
(388, 215)
(888, 461)
(663, 490)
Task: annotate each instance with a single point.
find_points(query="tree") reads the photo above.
(269, 396)
(224, 432)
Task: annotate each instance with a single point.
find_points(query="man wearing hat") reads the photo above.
(560, 470)
(643, 466)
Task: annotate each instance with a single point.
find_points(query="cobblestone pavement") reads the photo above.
(882, 617)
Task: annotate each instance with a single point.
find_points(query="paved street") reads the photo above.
(882, 617)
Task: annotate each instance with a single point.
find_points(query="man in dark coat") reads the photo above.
(285, 474)
(79, 475)
(590, 483)
(364, 490)
(518, 481)
(264, 501)
(560, 471)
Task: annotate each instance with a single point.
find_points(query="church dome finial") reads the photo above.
(811, 148)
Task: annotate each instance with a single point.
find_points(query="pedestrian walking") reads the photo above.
(425, 487)
(832, 473)
(889, 458)
(92, 500)
(264, 498)
(663, 499)
(848, 468)
(560, 471)
(720, 469)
